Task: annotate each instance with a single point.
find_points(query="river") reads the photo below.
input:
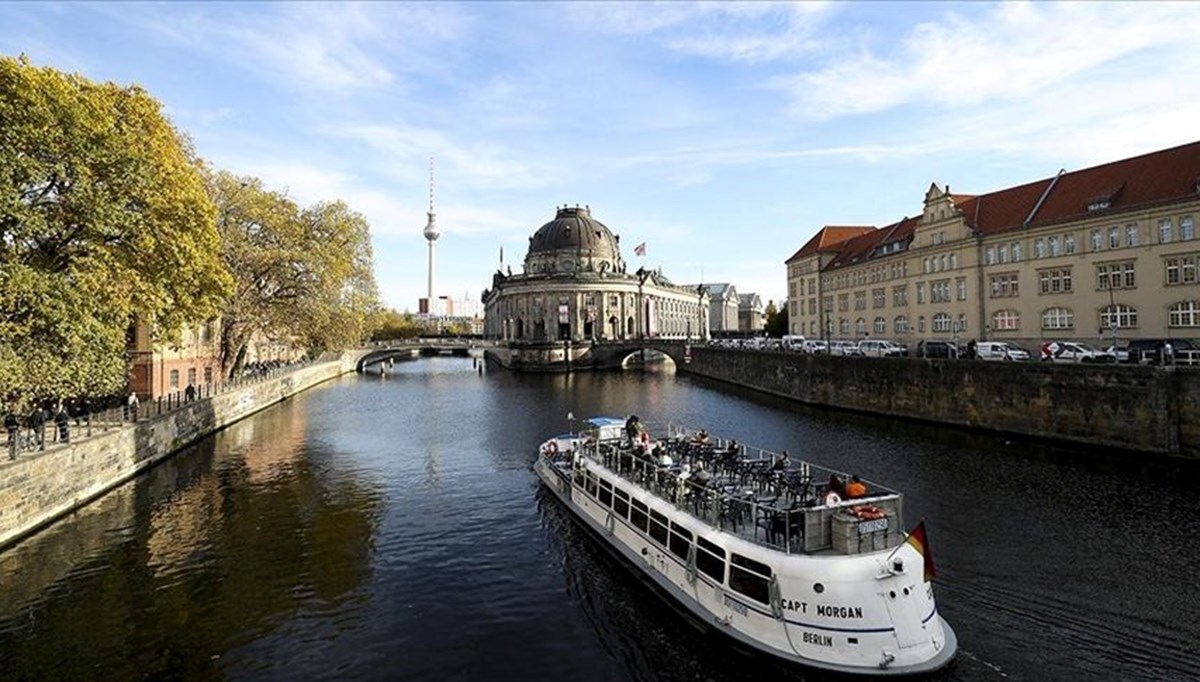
(391, 528)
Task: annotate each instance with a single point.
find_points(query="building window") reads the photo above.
(192, 376)
(1122, 316)
(1181, 269)
(1039, 248)
(1164, 230)
(1055, 248)
(1114, 237)
(880, 326)
(1184, 314)
(843, 302)
(1005, 286)
(812, 306)
(208, 374)
(962, 322)
(900, 324)
(1006, 320)
(921, 324)
(1069, 243)
(953, 261)
(939, 291)
(860, 327)
(961, 284)
(990, 255)
(1115, 275)
(920, 292)
(1058, 318)
(1131, 235)
(844, 327)
(860, 300)
(900, 296)
(1187, 229)
(941, 322)
(1002, 252)
(878, 298)
(1097, 239)
(1016, 251)
(174, 378)
(1057, 281)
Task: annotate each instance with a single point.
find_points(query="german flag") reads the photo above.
(920, 542)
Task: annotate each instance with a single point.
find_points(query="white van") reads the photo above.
(792, 342)
(999, 350)
(878, 348)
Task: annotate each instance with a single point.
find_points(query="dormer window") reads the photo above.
(1098, 205)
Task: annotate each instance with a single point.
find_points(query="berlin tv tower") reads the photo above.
(431, 235)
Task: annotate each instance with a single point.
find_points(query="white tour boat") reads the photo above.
(758, 547)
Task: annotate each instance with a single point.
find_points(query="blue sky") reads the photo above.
(722, 136)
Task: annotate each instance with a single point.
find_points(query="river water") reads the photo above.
(391, 528)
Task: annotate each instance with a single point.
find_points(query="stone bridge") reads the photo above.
(407, 349)
(561, 356)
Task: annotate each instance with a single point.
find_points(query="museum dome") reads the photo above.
(573, 241)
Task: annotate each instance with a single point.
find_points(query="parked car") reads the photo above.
(792, 342)
(1119, 353)
(937, 349)
(1000, 350)
(878, 348)
(1073, 351)
(815, 346)
(843, 348)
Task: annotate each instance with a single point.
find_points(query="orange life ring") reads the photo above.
(868, 512)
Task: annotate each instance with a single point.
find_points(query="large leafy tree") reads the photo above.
(303, 275)
(104, 219)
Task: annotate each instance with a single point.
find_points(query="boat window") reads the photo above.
(681, 541)
(710, 559)
(749, 577)
(590, 485)
(621, 503)
(658, 527)
(637, 516)
(605, 493)
(579, 477)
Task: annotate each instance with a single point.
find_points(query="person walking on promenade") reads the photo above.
(132, 406)
(37, 422)
(189, 393)
(63, 421)
(12, 425)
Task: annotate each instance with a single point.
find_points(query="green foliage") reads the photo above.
(389, 324)
(104, 219)
(303, 276)
(777, 320)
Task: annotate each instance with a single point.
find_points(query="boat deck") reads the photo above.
(747, 494)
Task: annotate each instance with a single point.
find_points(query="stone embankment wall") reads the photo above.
(1124, 406)
(40, 487)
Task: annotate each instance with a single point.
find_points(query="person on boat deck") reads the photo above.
(701, 437)
(856, 488)
(661, 456)
(734, 450)
(782, 462)
(631, 428)
(836, 485)
(701, 476)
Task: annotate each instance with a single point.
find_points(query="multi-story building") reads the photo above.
(722, 307)
(1103, 252)
(750, 313)
(158, 370)
(575, 288)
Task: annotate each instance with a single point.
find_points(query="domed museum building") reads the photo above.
(576, 288)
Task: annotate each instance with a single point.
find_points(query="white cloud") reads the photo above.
(1012, 51)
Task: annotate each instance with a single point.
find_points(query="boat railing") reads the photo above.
(741, 493)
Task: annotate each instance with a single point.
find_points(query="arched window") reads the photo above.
(1006, 320)
(844, 327)
(880, 326)
(1058, 318)
(900, 324)
(941, 322)
(921, 323)
(860, 326)
(1184, 314)
(1121, 316)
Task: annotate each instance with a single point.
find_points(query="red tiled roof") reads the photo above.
(1160, 177)
(829, 238)
(863, 246)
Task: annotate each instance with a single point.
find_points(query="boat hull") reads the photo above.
(644, 563)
